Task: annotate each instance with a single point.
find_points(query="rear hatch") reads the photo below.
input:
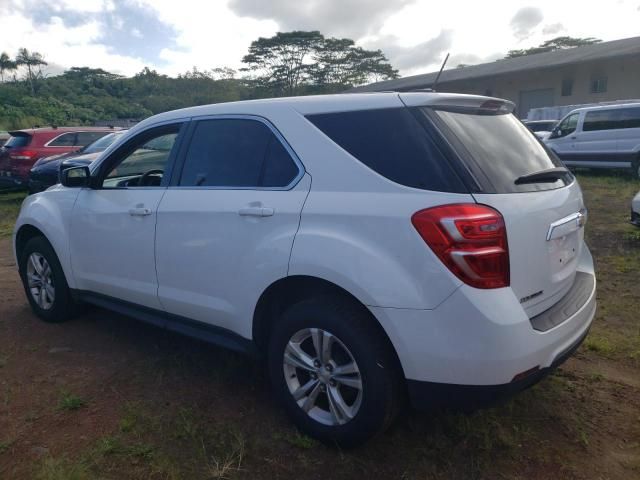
(541, 202)
(17, 142)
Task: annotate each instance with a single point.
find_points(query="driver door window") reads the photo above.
(143, 164)
(568, 125)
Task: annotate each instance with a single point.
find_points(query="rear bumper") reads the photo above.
(11, 181)
(428, 395)
(480, 343)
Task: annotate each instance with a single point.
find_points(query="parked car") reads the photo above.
(24, 147)
(635, 210)
(4, 136)
(365, 245)
(541, 128)
(46, 171)
(599, 137)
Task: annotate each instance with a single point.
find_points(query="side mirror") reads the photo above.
(76, 177)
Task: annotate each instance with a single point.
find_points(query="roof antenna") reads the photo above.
(435, 83)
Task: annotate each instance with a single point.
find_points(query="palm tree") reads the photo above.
(6, 65)
(30, 60)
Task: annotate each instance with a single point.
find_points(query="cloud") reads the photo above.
(350, 18)
(553, 28)
(120, 24)
(423, 54)
(525, 20)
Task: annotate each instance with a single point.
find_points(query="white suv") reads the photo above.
(369, 246)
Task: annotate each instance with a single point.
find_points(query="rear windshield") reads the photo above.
(20, 140)
(499, 149)
(393, 143)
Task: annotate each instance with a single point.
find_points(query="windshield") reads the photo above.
(499, 149)
(102, 143)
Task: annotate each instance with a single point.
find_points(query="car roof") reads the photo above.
(36, 130)
(606, 107)
(312, 104)
(527, 122)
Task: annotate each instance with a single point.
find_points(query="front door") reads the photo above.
(226, 229)
(113, 224)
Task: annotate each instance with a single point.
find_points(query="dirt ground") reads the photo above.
(103, 396)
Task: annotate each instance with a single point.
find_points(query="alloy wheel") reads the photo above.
(322, 376)
(40, 281)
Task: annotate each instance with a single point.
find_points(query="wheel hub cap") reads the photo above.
(322, 376)
(40, 281)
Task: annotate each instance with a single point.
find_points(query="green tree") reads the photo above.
(280, 62)
(298, 62)
(33, 61)
(558, 43)
(6, 65)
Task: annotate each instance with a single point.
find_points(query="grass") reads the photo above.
(10, 203)
(70, 402)
(62, 469)
(5, 446)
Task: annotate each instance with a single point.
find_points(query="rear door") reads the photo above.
(226, 224)
(597, 142)
(629, 134)
(543, 218)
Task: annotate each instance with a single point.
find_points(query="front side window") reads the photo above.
(64, 140)
(143, 161)
(242, 153)
(567, 126)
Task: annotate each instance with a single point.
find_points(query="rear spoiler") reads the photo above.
(19, 133)
(458, 103)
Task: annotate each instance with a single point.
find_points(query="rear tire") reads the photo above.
(635, 168)
(44, 282)
(347, 393)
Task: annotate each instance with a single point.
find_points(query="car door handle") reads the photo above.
(256, 212)
(573, 137)
(140, 212)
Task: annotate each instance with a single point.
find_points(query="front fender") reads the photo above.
(50, 212)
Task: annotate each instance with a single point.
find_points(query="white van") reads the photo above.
(599, 137)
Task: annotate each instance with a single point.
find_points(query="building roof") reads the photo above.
(598, 51)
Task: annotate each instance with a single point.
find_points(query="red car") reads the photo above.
(24, 147)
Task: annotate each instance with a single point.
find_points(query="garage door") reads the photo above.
(534, 99)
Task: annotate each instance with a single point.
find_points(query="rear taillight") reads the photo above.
(470, 239)
(22, 154)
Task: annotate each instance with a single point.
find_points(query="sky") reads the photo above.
(173, 36)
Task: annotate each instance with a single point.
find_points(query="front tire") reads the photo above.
(334, 371)
(44, 282)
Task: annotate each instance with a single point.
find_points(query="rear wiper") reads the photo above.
(543, 176)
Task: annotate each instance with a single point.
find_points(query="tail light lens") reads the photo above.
(22, 154)
(470, 239)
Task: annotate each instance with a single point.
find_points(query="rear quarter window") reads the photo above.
(393, 143)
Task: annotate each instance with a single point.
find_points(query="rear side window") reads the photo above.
(601, 120)
(85, 138)
(18, 140)
(500, 149)
(64, 140)
(393, 143)
(612, 119)
(236, 153)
